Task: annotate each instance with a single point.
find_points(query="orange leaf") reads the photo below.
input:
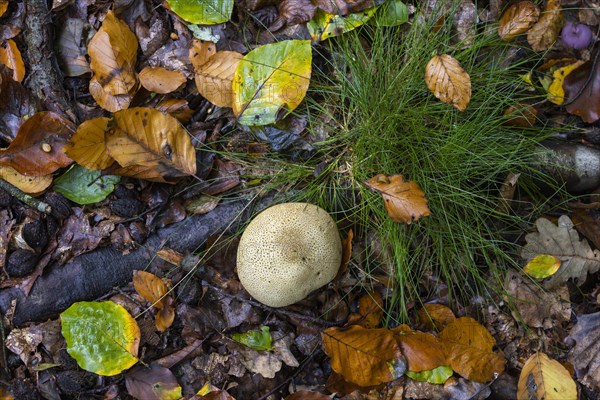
(165, 316)
(11, 57)
(370, 311)
(214, 78)
(404, 201)
(150, 287)
(28, 184)
(423, 351)
(346, 252)
(161, 80)
(3, 6)
(469, 350)
(517, 19)
(87, 147)
(200, 52)
(545, 32)
(363, 356)
(107, 101)
(38, 148)
(448, 81)
(178, 108)
(435, 316)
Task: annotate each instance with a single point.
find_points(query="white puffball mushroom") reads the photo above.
(288, 251)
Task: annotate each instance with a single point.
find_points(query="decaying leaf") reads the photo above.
(546, 30)
(38, 148)
(542, 266)
(469, 350)
(155, 290)
(27, 184)
(562, 241)
(70, 52)
(448, 81)
(582, 91)
(214, 78)
(365, 357)
(518, 19)
(325, 25)
(179, 108)
(585, 356)
(155, 382)
(11, 57)
(587, 223)
(343, 7)
(87, 146)
(556, 93)
(404, 200)
(545, 379)
(435, 316)
(161, 80)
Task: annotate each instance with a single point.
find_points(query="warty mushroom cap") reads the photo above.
(288, 251)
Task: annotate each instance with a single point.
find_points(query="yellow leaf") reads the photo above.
(87, 148)
(3, 6)
(161, 80)
(113, 52)
(545, 32)
(214, 78)
(11, 57)
(545, 379)
(556, 93)
(404, 201)
(448, 81)
(28, 184)
(542, 266)
(517, 19)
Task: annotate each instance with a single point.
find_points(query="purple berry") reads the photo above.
(577, 36)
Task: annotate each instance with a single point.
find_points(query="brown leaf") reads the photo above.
(3, 7)
(70, 52)
(517, 19)
(38, 148)
(113, 53)
(165, 316)
(87, 147)
(363, 356)
(587, 222)
(161, 80)
(15, 103)
(448, 81)
(11, 57)
(404, 201)
(107, 101)
(214, 78)
(307, 395)
(342, 7)
(469, 350)
(178, 108)
(435, 316)
(155, 382)
(296, 11)
(585, 356)
(28, 184)
(370, 311)
(423, 351)
(346, 252)
(214, 395)
(546, 30)
(153, 143)
(582, 90)
(6, 224)
(150, 287)
(200, 52)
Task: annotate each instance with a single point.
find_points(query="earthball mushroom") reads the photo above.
(288, 251)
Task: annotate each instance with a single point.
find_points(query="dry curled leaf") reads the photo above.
(161, 80)
(87, 147)
(518, 19)
(404, 200)
(546, 30)
(215, 77)
(11, 57)
(545, 379)
(448, 81)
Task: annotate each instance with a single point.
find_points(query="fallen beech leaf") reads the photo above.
(582, 91)
(448, 81)
(365, 357)
(404, 200)
(3, 7)
(107, 101)
(11, 57)
(87, 146)
(85, 186)
(346, 252)
(27, 184)
(150, 287)
(542, 266)
(257, 339)
(435, 316)
(423, 351)
(325, 25)
(113, 53)
(296, 11)
(585, 356)
(178, 108)
(370, 311)
(436, 376)
(517, 19)
(71, 53)
(521, 115)
(38, 148)
(546, 30)
(161, 80)
(545, 379)
(156, 383)
(200, 52)
(152, 142)
(214, 78)
(202, 12)
(469, 350)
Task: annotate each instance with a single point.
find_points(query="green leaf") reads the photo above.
(437, 375)
(85, 186)
(325, 25)
(204, 12)
(391, 13)
(101, 336)
(257, 340)
(542, 266)
(271, 79)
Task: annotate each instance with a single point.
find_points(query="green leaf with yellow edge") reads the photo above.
(101, 336)
(324, 25)
(271, 81)
(256, 340)
(203, 12)
(437, 375)
(556, 93)
(85, 186)
(542, 266)
(391, 13)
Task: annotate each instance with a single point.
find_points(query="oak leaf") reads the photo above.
(404, 200)
(161, 80)
(546, 30)
(87, 146)
(448, 81)
(544, 378)
(214, 78)
(517, 19)
(11, 57)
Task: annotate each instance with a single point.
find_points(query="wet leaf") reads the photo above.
(271, 81)
(404, 200)
(256, 340)
(469, 350)
(154, 383)
(85, 186)
(153, 143)
(101, 336)
(517, 19)
(582, 91)
(11, 57)
(325, 25)
(370, 311)
(113, 53)
(542, 266)
(38, 148)
(545, 379)
(203, 12)
(214, 78)
(70, 52)
(391, 13)
(27, 184)
(436, 376)
(423, 351)
(435, 316)
(546, 30)
(365, 357)
(161, 80)
(448, 81)
(562, 241)
(585, 356)
(87, 145)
